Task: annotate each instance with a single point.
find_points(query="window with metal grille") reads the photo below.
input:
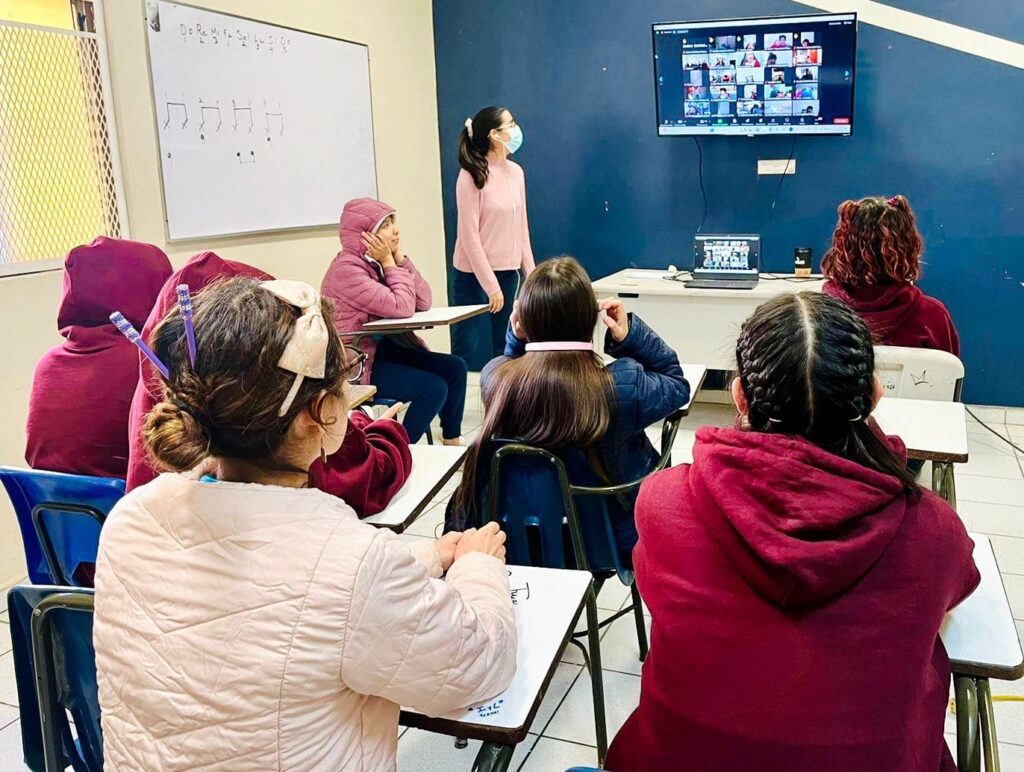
(60, 182)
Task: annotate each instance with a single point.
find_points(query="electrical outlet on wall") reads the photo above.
(772, 166)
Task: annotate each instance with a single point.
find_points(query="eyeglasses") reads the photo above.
(356, 364)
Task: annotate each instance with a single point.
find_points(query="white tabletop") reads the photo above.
(359, 394)
(979, 634)
(934, 431)
(434, 317)
(650, 282)
(547, 601)
(432, 467)
(695, 375)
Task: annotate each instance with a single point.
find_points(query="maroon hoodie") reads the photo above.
(901, 315)
(796, 599)
(373, 462)
(78, 409)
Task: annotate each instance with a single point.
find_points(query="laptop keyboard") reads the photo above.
(716, 284)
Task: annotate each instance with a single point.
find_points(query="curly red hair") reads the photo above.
(876, 241)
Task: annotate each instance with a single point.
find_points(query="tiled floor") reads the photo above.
(991, 501)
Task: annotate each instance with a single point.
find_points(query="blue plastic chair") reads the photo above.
(555, 514)
(60, 517)
(55, 671)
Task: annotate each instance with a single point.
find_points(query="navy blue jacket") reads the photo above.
(649, 386)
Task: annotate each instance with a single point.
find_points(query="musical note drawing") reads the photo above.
(176, 107)
(212, 109)
(247, 159)
(246, 116)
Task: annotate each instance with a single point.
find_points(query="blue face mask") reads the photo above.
(515, 140)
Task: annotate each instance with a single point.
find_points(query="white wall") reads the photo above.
(400, 36)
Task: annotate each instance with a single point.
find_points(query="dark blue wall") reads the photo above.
(942, 127)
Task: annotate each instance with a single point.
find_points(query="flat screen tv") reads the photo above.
(777, 75)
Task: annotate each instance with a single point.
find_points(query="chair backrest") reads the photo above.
(60, 516)
(55, 671)
(919, 373)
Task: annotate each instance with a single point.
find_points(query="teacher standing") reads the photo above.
(492, 248)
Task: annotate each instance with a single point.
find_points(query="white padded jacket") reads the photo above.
(252, 627)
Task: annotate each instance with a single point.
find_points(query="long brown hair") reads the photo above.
(227, 405)
(475, 143)
(552, 399)
(876, 241)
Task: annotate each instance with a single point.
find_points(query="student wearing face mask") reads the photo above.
(492, 249)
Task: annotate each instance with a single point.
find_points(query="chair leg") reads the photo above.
(943, 482)
(968, 751)
(597, 679)
(641, 625)
(989, 740)
(493, 758)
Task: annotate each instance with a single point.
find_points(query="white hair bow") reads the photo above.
(306, 351)
(469, 127)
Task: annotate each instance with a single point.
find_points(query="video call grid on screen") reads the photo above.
(782, 75)
(732, 253)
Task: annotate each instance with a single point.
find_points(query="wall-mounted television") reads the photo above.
(775, 75)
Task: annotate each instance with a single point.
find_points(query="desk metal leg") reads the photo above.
(989, 740)
(597, 678)
(493, 758)
(968, 750)
(943, 482)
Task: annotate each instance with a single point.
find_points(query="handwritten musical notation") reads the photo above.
(215, 35)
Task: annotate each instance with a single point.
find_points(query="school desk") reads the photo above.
(982, 642)
(548, 601)
(432, 467)
(932, 431)
(700, 324)
(422, 320)
(360, 394)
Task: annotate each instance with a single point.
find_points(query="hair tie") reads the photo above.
(892, 201)
(469, 127)
(560, 345)
(855, 420)
(775, 420)
(186, 408)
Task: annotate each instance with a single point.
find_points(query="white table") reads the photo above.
(701, 324)
(432, 467)
(548, 602)
(932, 431)
(981, 640)
(360, 394)
(422, 320)
(695, 375)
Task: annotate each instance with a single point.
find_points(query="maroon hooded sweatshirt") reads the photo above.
(81, 391)
(901, 315)
(374, 460)
(796, 599)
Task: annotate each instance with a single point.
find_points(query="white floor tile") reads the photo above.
(1015, 416)
(7, 715)
(1009, 553)
(1011, 757)
(549, 755)
(1009, 721)
(561, 681)
(5, 638)
(990, 415)
(1014, 585)
(430, 523)
(619, 648)
(11, 756)
(992, 518)
(421, 751)
(987, 444)
(575, 719)
(990, 465)
(8, 686)
(3, 615)
(990, 490)
(612, 596)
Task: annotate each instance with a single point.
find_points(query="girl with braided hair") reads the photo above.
(872, 265)
(796, 575)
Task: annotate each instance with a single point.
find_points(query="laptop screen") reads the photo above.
(726, 255)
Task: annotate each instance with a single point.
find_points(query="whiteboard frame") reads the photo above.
(156, 130)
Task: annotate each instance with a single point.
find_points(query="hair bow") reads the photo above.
(306, 351)
(469, 127)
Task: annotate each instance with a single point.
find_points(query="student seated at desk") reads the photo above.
(551, 390)
(795, 573)
(371, 279)
(370, 468)
(245, 620)
(872, 265)
(82, 389)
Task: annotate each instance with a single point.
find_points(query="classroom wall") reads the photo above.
(399, 33)
(932, 122)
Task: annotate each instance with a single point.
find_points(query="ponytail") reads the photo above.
(475, 142)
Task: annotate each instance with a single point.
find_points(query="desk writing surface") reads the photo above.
(933, 431)
(360, 394)
(432, 467)
(694, 375)
(650, 282)
(547, 601)
(433, 317)
(979, 634)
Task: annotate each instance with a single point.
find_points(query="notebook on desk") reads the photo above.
(726, 261)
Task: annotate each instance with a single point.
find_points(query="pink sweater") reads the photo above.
(493, 232)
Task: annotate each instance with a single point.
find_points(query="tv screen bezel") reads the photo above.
(707, 131)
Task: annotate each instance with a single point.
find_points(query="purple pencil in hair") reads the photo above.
(133, 336)
(185, 302)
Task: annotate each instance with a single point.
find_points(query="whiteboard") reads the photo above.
(260, 127)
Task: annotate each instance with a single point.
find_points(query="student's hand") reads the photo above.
(446, 546)
(378, 249)
(391, 412)
(396, 252)
(517, 328)
(496, 301)
(613, 314)
(489, 540)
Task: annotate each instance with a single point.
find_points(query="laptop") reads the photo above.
(725, 261)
